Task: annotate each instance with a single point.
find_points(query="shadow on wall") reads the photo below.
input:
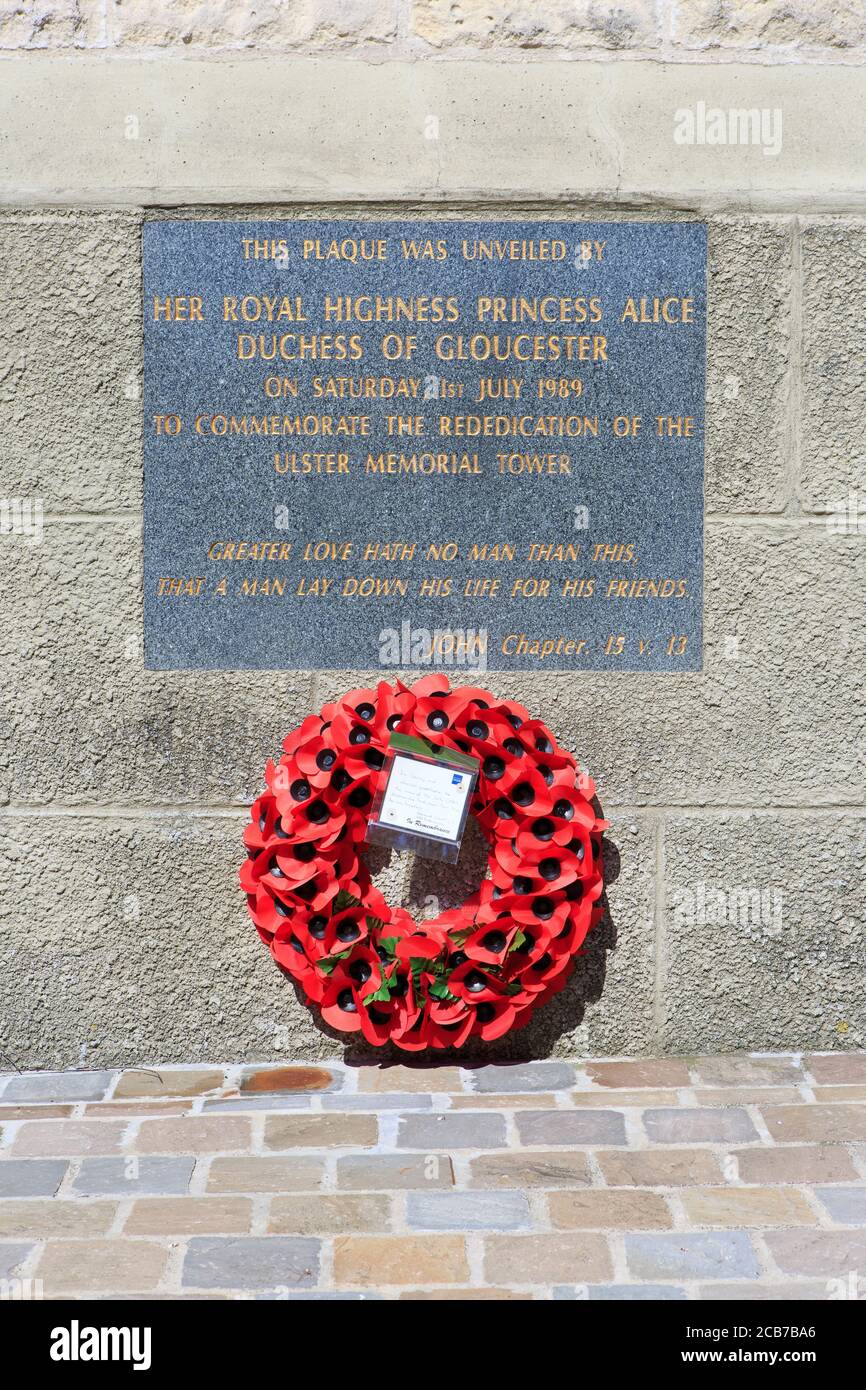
(433, 888)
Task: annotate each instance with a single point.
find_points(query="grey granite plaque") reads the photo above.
(424, 444)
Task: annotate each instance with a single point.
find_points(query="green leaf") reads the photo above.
(344, 899)
(381, 996)
(460, 937)
(330, 963)
(440, 990)
(389, 943)
(519, 940)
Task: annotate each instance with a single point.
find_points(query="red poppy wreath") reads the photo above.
(477, 970)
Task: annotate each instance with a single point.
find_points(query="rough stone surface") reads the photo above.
(614, 1211)
(695, 1255)
(70, 364)
(274, 1102)
(467, 1211)
(834, 416)
(103, 1177)
(767, 939)
(547, 1259)
(400, 1101)
(255, 1174)
(251, 1263)
(387, 1171)
(165, 1081)
(269, 26)
(543, 1127)
(776, 28)
(465, 1131)
(800, 1290)
(684, 1126)
(794, 1163)
(105, 1266)
(314, 1131)
(57, 1218)
(833, 1253)
(373, 1261)
(54, 1085)
(550, 1076)
(748, 360)
(657, 1072)
(329, 1214)
(171, 1216)
(831, 1124)
(50, 23)
(764, 24)
(845, 1205)
(31, 1177)
(659, 1167)
(559, 1168)
(197, 1134)
(839, 1069)
(268, 1080)
(733, 1071)
(13, 1253)
(509, 24)
(136, 896)
(747, 1206)
(422, 1077)
(67, 1138)
(119, 733)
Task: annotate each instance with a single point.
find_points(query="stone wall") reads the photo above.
(737, 851)
(771, 30)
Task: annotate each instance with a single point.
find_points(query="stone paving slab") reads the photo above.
(734, 1177)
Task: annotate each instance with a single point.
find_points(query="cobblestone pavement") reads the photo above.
(713, 1177)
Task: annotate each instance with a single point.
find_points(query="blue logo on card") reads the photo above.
(456, 779)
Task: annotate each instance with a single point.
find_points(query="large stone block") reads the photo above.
(748, 360)
(767, 23)
(833, 408)
(51, 23)
(268, 25)
(146, 953)
(556, 24)
(216, 131)
(763, 934)
(86, 721)
(70, 362)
